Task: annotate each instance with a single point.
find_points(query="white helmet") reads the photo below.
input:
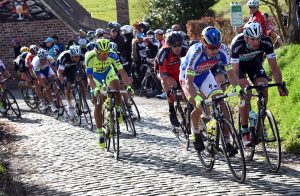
(42, 54)
(34, 48)
(75, 50)
(113, 46)
(159, 31)
(253, 3)
(252, 29)
(126, 29)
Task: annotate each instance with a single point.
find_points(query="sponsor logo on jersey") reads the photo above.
(205, 65)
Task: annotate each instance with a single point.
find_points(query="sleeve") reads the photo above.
(115, 60)
(191, 59)
(235, 51)
(226, 57)
(268, 45)
(88, 62)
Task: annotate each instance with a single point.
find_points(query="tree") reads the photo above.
(165, 13)
(290, 31)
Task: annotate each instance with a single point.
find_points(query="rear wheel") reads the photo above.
(234, 153)
(128, 118)
(271, 141)
(248, 151)
(29, 96)
(12, 103)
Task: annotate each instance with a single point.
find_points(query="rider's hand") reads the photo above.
(238, 89)
(198, 100)
(283, 91)
(130, 90)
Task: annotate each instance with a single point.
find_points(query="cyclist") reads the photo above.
(256, 15)
(44, 69)
(33, 50)
(247, 50)
(4, 71)
(99, 33)
(167, 61)
(82, 41)
(20, 64)
(99, 66)
(70, 65)
(126, 31)
(200, 83)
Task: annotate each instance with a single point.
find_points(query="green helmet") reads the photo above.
(102, 44)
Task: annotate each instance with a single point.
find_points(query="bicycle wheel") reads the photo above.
(207, 156)
(148, 87)
(135, 109)
(234, 157)
(128, 118)
(78, 112)
(229, 112)
(181, 132)
(13, 104)
(105, 125)
(115, 129)
(271, 141)
(248, 151)
(58, 101)
(29, 96)
(86, 113)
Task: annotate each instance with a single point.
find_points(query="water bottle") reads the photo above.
(252, 118)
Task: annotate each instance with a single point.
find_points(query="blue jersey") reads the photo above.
(198, 64)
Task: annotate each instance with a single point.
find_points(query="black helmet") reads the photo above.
(150, 32)
(114, 25)
(174, 37)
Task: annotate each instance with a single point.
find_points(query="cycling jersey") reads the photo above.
(250, 61)
(240, 50)
(258, 17)
(198, 64)
(64, 60)
(45, 69)
(102, 70)
(19, 62)
(168, 63)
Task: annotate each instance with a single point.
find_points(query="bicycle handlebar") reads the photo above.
(262, 86)
(218, 98)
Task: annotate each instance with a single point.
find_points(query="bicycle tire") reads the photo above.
(274, 139)
(238, 173)
(105, 125)
(12, 102)
(181, 132)
(128, 118)
(87, 114)
(77, 98)
(114, 124)
(134, 108)
(58, 102)
(207, 156)
(147, 87)
(31, 103)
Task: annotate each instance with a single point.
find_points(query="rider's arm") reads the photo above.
(89, 70)
(233, 73)
(275, 70)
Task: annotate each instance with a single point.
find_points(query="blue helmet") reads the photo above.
(211, 36)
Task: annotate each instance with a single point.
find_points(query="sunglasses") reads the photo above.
(176, 45)
(213, 47)
(252, 7)
(103, 53)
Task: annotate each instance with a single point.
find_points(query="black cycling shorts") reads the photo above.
(253, 69)
(71, 72)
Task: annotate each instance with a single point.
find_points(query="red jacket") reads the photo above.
(258, 17)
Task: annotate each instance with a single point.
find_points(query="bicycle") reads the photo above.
(81, 106)
(150, 82)
(182, 132)
(29, 95)
(128, 117)
(8, 99)
(213, 136)
(265, 132)
(111, 123)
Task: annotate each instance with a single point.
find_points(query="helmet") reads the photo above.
(252, 29)
(176, 27)
(253, 3)
(150, 32)
(211, 36)
(102, 44)
(144, 25)
(126, 29)
(90, 46)
(147, 39)
(24, 49)
(90, 34)
(75, 50)
(34, 49)
(114, 25)
(174, 37)
(99, 32)
(42, 54)
(169, 30)
(113, 46)
(140, 35)
(159, 31)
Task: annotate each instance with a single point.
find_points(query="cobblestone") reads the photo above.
(56, 158)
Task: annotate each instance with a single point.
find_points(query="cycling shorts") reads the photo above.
(253, 69)
(45, 73)
(107, 76)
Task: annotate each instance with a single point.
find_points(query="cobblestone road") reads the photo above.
(53, 157)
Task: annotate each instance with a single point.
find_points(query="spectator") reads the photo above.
(118, 39)
(82, 41)
(52, 48)
(126, 31)
(256, 15)
(60, 45)
(159, 35)
(17, 46)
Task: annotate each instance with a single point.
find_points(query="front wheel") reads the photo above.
(13, 104)
(271, 141)
(115, 128)
(233, 150)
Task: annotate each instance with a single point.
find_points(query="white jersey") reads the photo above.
(36, 64)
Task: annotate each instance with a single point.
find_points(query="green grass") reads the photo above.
(106, 9)
(287, 109)
(2, 169)
(222, 8)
